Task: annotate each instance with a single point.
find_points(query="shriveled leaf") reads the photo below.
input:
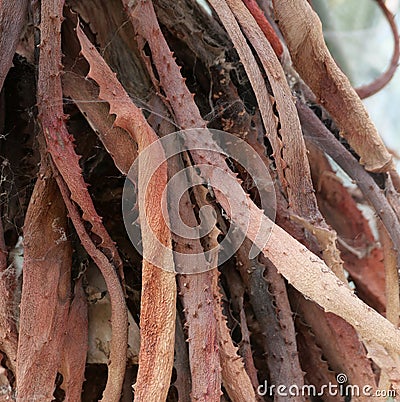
(45, 292)
(75, 345)
(158, 285)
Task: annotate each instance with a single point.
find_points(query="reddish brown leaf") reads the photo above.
(302, 30)
(197, 295)
(45, 291)
(158, 285)
(119, 319)
(268, 297)
(117, 142)
(316, 368)
(59, 141)
(75, 345)
(339, 342)
(13, 16)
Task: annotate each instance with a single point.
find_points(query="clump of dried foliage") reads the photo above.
(86, 87)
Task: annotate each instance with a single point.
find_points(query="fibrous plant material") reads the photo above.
(326, 141)
(332, 88)
(66, 162)
(46, 291)
(13, 18)
(158, 285)
(232, 324)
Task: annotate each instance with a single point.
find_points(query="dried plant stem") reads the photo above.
(287, 143)
(326, 141)
(302, 30)
(196, 291)
(119, 318)
(368, 90)
(51, 116)
(158, 303)
(45, 298)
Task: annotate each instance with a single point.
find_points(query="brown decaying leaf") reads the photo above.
(339, 343)
(46, 291)
(234, 377)
(267, 294)
(187, 115)
(317, 371)
(302, 30)
(12, 19)
(58, 140)
(116, 141)
(277, 288)
(119, 320)
(287, 142)
(158, 285)
(75, 345)
(361, 254)
(204, 351)
(197, 296)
